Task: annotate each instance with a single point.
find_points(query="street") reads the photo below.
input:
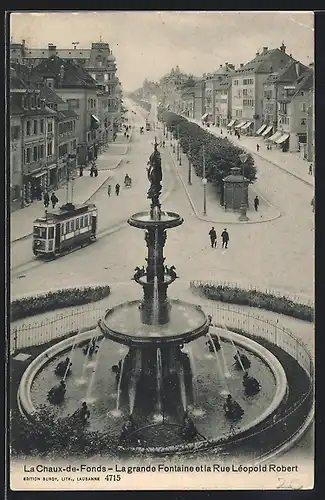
(270, 254)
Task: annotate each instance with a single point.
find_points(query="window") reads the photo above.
(86, 220)
(303, 107)
(49, 127)
(77, 223)
(81, 222)
(41, 151)
(105, 77)
(66, 227)
(72, 225)
(93, 75)
(15, 132)
(35, 128)
(42, 126)
(28, 127)
(74, 144)
(244, 92)
(49, 149)
(62, 229)
(51, 233)
(35, 155)
(28, 155)
(40, 232)
(73, 103)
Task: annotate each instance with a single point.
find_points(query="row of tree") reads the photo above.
(220, 153)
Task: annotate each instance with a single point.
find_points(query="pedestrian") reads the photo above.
(163, 144)
(225, 238)
(256, 203)
(81, 171)
(310, 169)
(220, 131)
(313, 203)
(257, 147)
(109, 190)
(96, 171)
(46, 199)
(127, 137)
(117, 189)
(91, 171)
(238, 135)
(267, 147)
(213, 237)
(54, 200)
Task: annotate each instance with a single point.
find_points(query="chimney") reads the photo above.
(42, 103)
(297, 67)
(61, 73)
(283, 47)
(265, 49)
(241, 65)
(51, 49)
(257, 53)
(220, 65)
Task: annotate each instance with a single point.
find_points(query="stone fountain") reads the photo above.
(156, 328)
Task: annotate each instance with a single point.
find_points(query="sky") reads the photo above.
(147, 44)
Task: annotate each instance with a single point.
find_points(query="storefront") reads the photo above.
(247, 128)
(53, 176)
(34, 185)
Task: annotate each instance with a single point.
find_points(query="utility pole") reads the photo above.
(204, 182)
(189, 164)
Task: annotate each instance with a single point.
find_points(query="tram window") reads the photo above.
(51, 233)
(62, 229)
(72, 226)
(86, 220)
(40, 232)
(66, 227)
(77, 223)
(81, 222)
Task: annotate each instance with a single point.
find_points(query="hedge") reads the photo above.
(256, 298)
(30, 306)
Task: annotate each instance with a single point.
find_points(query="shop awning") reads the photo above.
(275, 136)
(244, 127)
(267, 130)
(240, 124)
(260, 130)
(39, 174)
(95, 122)
(283, 138)
(52, 166)
(230, 124)
(204, 116)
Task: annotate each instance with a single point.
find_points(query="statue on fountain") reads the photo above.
(154, 173)
(241, 361)
(129, 434)
(82, 414)
(188, 430)
(63, 368)
(232, 409)
(57, 393)
(251, 385)
(213, 343)
(90, 348)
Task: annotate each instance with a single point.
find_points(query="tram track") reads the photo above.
(30, 265)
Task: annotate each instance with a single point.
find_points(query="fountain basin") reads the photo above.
(123, 324)
(143, 220)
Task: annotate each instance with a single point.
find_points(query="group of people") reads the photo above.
(47, 198)
(224, 238)
(117, 189)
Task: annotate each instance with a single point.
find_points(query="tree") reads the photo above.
(220, 153)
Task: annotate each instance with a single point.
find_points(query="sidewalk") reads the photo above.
(290, 162)
(21, 221)
(215, 212)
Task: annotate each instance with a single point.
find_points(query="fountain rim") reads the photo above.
(129, 340)
(136, 221)
(28, 410)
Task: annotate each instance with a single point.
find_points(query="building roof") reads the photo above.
(224, 83)
(305, 81)
(267, 62)
(62, 53)
(67, 113)
(66, 74)
(15, 102)
(288, 74)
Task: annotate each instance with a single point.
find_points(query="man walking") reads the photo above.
(310, 171)
(213, 237)
(46, 199)
(117, 189)
(225, 238)
(54, 200)
(257, 147)
(256, 203)
(109, 190)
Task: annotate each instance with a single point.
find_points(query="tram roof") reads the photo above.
(64, 212)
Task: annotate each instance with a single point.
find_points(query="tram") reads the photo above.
(64, 229)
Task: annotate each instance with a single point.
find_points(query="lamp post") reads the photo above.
(177, 156)
(204, 182)
(189, 164)
(243, 207)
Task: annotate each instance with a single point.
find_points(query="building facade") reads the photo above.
(248, 86)
(98, 60)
